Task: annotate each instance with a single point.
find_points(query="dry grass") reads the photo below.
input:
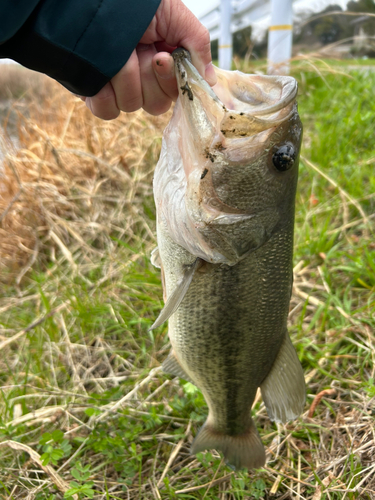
(71, 180)
(17, 82)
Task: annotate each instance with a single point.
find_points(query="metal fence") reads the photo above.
(230, 16)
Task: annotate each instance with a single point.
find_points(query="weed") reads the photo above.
(82, 488)
(54, 446)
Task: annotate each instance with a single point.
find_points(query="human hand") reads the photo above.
(147, 80)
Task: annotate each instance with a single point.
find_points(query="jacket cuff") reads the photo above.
(82, 45)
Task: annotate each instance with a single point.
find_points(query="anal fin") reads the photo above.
(176, 297)
(173, 367)
(283, 391)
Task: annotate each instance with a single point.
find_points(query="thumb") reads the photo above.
(179, 27)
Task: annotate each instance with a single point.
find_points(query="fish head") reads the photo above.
(233, 161)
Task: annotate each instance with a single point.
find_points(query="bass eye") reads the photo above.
(284, 158)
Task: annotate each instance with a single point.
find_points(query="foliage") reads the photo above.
(83, 488)
(54, 447)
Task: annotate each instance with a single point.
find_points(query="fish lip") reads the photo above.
(247, 120)
(288, 87)
(180, 54)
(244, 105)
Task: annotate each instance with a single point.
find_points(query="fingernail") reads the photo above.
(210, 75)
(164, 68)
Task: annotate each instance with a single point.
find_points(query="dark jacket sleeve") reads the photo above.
(80, 43)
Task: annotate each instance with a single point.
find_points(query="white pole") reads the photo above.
(280, 37)
(225, 39)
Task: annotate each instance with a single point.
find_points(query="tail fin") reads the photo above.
(283, 390)
(242, 450)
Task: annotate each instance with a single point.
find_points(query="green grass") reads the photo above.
(308, 62)
(69, 372)
(355, 61)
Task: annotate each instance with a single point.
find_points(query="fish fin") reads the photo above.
(283, 390)
(175, 298)
(155, 258)
(173, 367)
(244, 450)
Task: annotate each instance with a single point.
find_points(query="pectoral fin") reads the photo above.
(173, 367)
(283, 391)
(176, 297)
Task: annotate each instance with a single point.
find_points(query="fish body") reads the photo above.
(225, 189)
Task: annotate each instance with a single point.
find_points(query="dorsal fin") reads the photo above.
(175, 298)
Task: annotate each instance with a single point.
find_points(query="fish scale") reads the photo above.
(246, 292)
(225, 248)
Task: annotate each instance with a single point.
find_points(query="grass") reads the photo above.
(17, 82)
(306, 63)
(85, 411)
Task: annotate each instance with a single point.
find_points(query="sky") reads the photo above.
(199, 7)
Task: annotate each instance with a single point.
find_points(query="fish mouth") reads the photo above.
(257, 95)
(239, 105)
(255, 103)
(219, 141)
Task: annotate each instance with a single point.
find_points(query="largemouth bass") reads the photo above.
(225, 189)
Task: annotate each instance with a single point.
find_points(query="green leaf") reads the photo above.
(71, 492)
(65, 446)
(76, 474)
(47, 436)
(91, 411)
(85, 475)
(57, 435)
(190, 388)
(57, 454)
(45, 458)
(89, 492)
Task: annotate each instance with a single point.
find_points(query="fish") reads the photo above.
(224, 189)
